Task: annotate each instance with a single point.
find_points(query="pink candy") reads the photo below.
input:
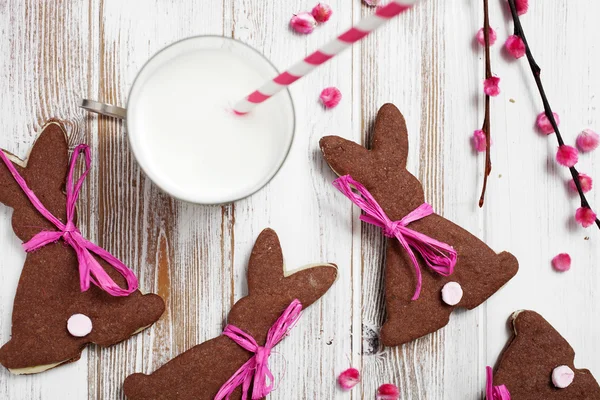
(452, 293)
(481, 36)
(79, 325)
(562, 377)
(303, 23)
(349, 378)
(544, 125)
(515, 46)
(562, 262)
(588, 140)
(331, 97)
(387, 391)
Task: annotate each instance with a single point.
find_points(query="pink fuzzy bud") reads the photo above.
(515, 46)
(567, 155)
(481, 37)
(372, 3)
(522, 6)
(584, 180)
(587, 140)
(585, 216)
(331, 97)
(490, 86)
(544, 125)
(322, 12)
(562, 262)
(479, 140)
(349, 378)
(303, 23)
(387, 391)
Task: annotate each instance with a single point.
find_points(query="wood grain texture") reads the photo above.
(55, 52)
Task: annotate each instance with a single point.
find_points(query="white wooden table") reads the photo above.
(55, 52)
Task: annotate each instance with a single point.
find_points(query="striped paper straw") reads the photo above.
(324, 54)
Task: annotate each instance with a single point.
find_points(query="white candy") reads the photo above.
(79, 325)
(562, 376)
(452, 293)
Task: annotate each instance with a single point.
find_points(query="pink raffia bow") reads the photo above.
(90, 271)
(256, 369)
(494, 392)
(440, 257)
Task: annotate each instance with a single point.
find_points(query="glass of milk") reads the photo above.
(182, 128)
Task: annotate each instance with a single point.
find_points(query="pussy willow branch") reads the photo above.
(486, 120)
(536, 70)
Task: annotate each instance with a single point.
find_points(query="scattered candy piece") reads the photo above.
(387, 391)
(562, 376)
(322, 12)
(372, 3)
(585, 216)
(562, 262)
(331, 97)
(515, 46)
(481, 36)
(544, 125)
(490, 86)
(349, 378)
(79, 325)
(479, 140)
(522, 6)
(584, 180)
(588, 140)
(303, 23)
(452, 293)
(567, 155)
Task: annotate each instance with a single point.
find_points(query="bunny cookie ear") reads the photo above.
(529, 365)
(390, 140)
(10, 192)
(266, 273)
(49, 158)
(343, 156)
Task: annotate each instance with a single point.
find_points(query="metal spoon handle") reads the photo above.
(103, 109)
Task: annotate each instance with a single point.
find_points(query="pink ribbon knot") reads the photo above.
(90, 270)
(255, 372)
(494, 392)
(438, 256)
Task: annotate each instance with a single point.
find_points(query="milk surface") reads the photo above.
(186, 136)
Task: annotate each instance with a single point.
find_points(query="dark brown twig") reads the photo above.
(536, 70)
(486, 120)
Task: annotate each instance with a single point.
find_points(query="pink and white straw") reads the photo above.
(327, 52)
